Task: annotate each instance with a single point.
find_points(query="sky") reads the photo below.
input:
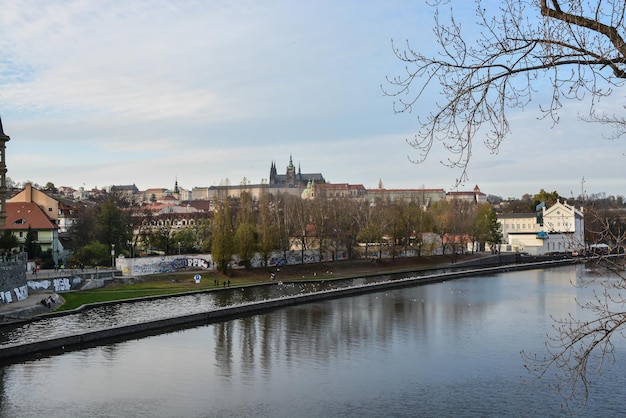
(95, 94)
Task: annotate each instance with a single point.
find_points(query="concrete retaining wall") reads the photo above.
(13, 278)
(65, 281)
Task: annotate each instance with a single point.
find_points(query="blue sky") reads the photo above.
(100, 93)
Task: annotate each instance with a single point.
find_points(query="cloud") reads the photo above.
(146, 92)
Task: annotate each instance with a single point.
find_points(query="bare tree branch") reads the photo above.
(577, 47)
(577, 350)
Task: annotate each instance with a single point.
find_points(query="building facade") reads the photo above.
(557, 229)
(293, 178)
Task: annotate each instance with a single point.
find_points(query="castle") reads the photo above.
(292, 178)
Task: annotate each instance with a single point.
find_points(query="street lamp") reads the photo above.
(113, 256)
(178, 247)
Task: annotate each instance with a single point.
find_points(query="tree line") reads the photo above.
(245, 226)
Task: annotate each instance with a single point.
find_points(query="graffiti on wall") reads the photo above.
(167, 264)
(60, 284)
(279, 259)
(21, 293)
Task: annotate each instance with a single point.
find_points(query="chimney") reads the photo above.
(28, 193)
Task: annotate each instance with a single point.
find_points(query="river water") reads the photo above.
(445, 349)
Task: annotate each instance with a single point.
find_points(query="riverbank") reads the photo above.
(89, 337)
(163, 285)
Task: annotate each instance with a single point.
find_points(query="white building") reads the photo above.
(560, 228)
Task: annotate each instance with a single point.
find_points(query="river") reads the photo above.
(443, 349)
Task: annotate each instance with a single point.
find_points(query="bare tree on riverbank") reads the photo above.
(579, 350)
(577, 50)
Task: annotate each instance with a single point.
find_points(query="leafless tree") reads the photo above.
(575, 47)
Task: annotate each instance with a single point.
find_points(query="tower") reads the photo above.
(3, 176)
(176, 191)
(291, 173)
(273, 173)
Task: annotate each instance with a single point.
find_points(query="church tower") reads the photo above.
(3, 176)
(273, 173)
(176, 191)
(291, 172)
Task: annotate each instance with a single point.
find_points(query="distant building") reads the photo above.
(130, 193)
(559, 228)
(334, 191)
(24, 215)
(291, 178)
(43, 213)
(422, 197)
(475, 196)
(47, 203)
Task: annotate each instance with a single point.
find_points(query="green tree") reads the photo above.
(50, 187)
(160, 239)
(245, 234)
(31, 247)
(485, 228)
(222, 245)
(186, 240)
(82, 230)
(202, 229)
(110, 227)
(548, 198)
(93, 254)
(8, 241)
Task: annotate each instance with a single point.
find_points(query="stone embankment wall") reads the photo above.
(13, 278)
(66, 280)
(224, 314)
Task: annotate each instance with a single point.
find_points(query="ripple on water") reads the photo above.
(129, 313)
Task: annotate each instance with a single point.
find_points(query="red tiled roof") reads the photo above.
(31, 214)
(201, 205)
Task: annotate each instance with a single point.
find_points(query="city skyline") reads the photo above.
(94, 95)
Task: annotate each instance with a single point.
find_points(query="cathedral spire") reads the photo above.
(290, 166)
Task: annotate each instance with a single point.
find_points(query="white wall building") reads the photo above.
(560, 228)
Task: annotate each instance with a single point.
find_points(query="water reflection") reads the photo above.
(128, 313)
(447, 349)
